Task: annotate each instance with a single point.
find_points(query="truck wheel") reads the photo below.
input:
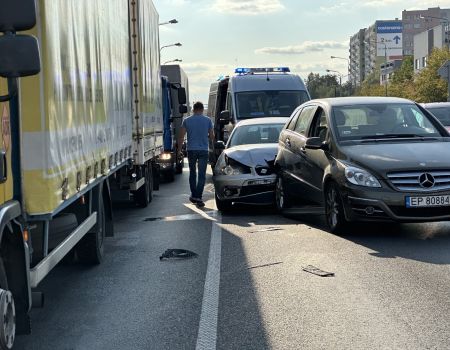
(144, 194)
(7, 313)
(90, 248)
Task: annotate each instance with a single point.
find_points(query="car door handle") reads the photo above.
(288, 142)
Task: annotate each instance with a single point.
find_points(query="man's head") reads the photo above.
(198, 107)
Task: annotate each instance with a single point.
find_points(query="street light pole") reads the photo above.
(172, 21)
(175, 60)
(163, 47)
(340, 81)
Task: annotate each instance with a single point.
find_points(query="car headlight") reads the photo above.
(231, 170)
(360, 177)
(165, 156)
(228, 166)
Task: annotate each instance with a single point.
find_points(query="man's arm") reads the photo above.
(211, 134)
(181, 138)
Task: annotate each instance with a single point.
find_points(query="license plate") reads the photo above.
(428, 201)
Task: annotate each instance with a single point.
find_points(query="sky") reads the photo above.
(219, 35)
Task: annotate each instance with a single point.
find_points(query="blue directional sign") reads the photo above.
(389, 38)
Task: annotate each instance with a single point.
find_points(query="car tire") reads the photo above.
(282, 200)
(334, 209)
(223, 206)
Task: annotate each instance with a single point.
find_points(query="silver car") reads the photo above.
(244, 172)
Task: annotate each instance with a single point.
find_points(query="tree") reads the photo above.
(371, 85)
(429, 86)
(322, 86)
(402, 83)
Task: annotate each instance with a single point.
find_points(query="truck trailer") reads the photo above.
(175, 85)
(83, 126)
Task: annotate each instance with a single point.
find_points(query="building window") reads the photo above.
(424, 61)
(417, 63)
(417, 25)
(407, 26)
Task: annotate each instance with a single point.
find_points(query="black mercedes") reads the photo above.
(365, 159)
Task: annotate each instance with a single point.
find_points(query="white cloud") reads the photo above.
(348, 6)
(247, 7)
(306, 47)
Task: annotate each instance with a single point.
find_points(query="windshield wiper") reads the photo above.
(396, 136)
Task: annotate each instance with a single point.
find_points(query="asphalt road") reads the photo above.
(390, 289)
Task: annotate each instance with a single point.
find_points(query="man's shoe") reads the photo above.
(200, 204)
(195, 200)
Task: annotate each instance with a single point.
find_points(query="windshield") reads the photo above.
(442, 113)
(254, 134)
(256, 104)
(378, 121)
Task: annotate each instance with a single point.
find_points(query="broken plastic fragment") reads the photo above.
(316, 271)
(268, 229)
(178, 254)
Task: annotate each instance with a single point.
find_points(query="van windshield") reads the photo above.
(257, 104)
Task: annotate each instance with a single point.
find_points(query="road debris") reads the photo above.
(264, 265)
(178, 254)
(267, 229)
(316, 271)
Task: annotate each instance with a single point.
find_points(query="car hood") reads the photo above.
(382, 158)
(253, 155)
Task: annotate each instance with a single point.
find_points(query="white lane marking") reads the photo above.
(207, 331)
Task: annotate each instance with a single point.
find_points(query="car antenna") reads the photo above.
(267, 72)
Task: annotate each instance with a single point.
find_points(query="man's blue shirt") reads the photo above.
(197, 128)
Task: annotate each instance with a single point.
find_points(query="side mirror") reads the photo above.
(17, 15)
(316, 143)
(224, 117)
(182, 109)
(181, 96)
(219, 145)
(19, 56)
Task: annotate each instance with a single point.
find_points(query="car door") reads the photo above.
(316, 160)
(295, 142)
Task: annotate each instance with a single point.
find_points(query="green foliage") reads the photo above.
(429, 85)
(323, 86)
(426, 86)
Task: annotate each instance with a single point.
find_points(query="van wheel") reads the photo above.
(282, 199)
(7, 312)
(334, 209)
(90, 249)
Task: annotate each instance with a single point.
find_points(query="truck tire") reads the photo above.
(144, 194)
(90, 248)
(8, 312)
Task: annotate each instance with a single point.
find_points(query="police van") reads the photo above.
(252, 93)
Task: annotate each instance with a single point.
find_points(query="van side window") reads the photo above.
(229, 104)
(212, 105)
(304, 119)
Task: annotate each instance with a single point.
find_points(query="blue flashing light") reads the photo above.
(262, 70)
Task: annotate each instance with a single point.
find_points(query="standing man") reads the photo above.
(198, 128)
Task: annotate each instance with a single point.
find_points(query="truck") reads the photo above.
(251, 93)
(81, 107)
(175, 87)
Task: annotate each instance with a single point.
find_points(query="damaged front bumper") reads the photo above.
(246, 188)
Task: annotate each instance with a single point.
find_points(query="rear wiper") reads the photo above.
(395, 136)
